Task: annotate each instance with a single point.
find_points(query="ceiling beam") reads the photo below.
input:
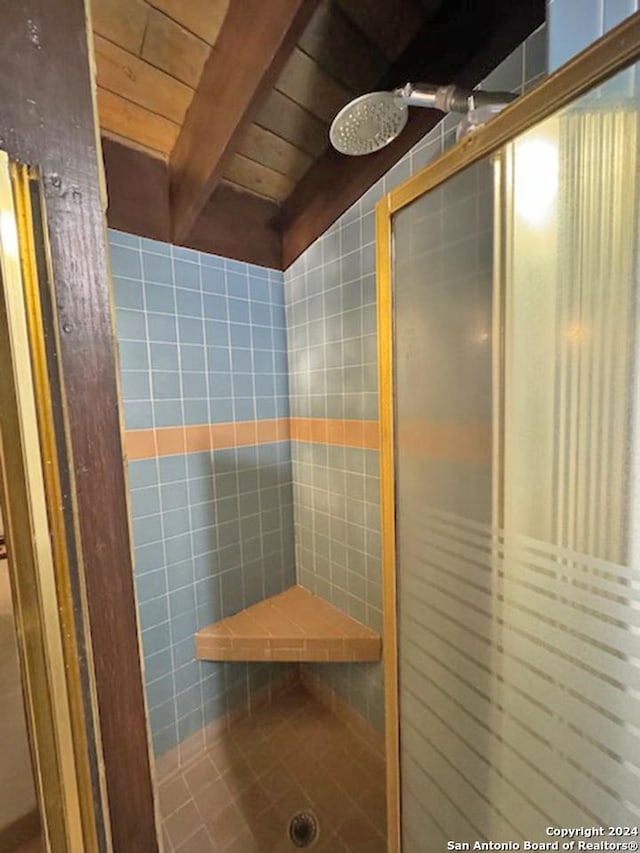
(232, 223)
(241, 226)
(137, 191)
(254, 43)
(464, 42)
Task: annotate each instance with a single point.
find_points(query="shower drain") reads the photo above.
(303, 829)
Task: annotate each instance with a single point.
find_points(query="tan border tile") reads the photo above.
(198, 438)
(222, 435)
(170, 440)
(140, 443)
(245, 433)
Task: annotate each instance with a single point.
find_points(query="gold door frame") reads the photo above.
(604, 58)
(58, 709)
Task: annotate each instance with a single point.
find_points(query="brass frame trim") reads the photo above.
(609, 55)
(35, 526)
(388, 518)
(30, 211)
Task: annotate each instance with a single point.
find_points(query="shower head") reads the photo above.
(372, 121)
(368, 123)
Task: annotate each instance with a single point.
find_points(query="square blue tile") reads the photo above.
(131, 325)
(191, 330)
(127, 293)
(573, 26)
(238, 310)
(121, 238)
(172, 469)
(134, 355)
(159, 298)
(189, 303)
(615, 11)
(135, 385)
(221, 410)
(216, 306)
(219, 359)
(155, 246)
(213, 280)
(155, 612)
(164, 356)
(192, 357)
(166, 385)
(162, 327)
(147, 530)
(157, 268)
(168, 413)
(125, 262)
(150, 585)
(240, 335)
(196, 412)
(138, 414)
(187, 275)
(142, 472)
(194, 385)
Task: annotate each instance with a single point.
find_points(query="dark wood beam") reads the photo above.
(232, 223)
(390, 26)
(463, 42)
(239, 225)
(47, 119)
(254, 43)
(138, 191)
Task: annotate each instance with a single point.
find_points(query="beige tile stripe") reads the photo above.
(422, 439)
(344, 433)
(166, 441)
(149, 443)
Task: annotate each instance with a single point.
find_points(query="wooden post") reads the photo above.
(47, 119)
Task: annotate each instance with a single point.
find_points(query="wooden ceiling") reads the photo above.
(149, 60)
(215, 110)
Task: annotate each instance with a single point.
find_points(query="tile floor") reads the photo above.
(293, 755)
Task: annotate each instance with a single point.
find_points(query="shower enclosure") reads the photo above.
(509, 292)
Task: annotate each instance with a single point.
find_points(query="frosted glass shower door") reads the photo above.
(517, 466)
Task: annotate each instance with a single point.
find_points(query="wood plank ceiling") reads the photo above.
(149, 59)
(234, 99)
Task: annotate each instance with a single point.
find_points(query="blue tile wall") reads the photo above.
(331, 323)
(202, 340)
(575, 24)
(213, 533)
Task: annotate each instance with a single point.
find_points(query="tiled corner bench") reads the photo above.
(292, 626)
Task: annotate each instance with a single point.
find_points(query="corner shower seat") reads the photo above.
(294, 625)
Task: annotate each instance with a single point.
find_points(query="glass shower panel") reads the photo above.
(443, 283)
(517, 477)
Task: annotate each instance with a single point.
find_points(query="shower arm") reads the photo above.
(449, 99)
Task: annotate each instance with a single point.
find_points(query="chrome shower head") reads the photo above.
(368, 123)
(372, 121)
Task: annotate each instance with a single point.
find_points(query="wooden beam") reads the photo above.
(233, 223)
(253, 45)
(390, 26)
(462, 44)
(342, 49)
(137, 190)
(239, 225)
(47, 119)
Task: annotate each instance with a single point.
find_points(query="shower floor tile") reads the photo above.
(239, 796)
